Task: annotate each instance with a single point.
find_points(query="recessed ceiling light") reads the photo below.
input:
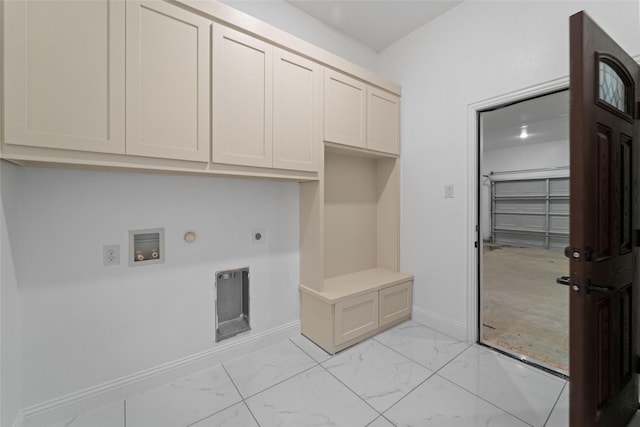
(523, 132)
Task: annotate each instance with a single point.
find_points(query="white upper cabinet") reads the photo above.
(360, 115)
(65, 74)
(242, 99)
(166, 85)
(296, 113)
(168, 82)
(383, 121)
(345, 109)
(266, 104)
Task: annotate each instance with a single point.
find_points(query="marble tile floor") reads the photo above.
(409, 375)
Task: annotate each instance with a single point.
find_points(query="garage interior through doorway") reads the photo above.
(524, 217)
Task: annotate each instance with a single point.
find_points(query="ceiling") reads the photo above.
(546, 119)
(376, 23)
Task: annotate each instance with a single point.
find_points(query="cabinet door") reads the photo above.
(296, 113)
(355, 317)
(345, 109)
(168, 60)
(64, 74)
(242, 99)
(383, 121)
(395, 303)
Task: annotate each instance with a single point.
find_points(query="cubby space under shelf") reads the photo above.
(350, 287)
(360, 214)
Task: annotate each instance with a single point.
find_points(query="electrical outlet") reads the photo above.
(110, 255)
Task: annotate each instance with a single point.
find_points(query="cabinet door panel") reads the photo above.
(383, 121)
(64, 74)
(345, 109)
(296, 115)
(168, 51)
(355, 317)
(242, 99)
(395, 303)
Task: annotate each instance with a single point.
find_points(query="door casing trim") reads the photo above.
(473, 156)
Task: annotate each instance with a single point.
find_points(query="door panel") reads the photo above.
(355, 317)
(345, 109)
(603, 307)
(242, 99)
(532, 212)
(64, 75)
(395, 303)
(168, 60)
(383, 121)
(296, 113)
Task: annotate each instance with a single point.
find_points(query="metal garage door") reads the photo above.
(530, 212)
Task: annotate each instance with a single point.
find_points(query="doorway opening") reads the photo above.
(524, 226)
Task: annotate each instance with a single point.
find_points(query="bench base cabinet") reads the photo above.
(337, 325)
(395, 303)
(355, 317)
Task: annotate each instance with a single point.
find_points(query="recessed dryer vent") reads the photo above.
(232, 303)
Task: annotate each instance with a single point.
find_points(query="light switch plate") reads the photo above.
(448, 191)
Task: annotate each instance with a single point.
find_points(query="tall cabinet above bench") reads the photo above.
(197, 87)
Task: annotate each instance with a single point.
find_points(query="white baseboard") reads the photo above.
(70, 405)
(457, 330)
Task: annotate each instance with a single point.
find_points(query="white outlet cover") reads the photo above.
(110, 255)
(258, 236)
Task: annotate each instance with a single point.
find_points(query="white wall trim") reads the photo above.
(472, 167)
(440, 323)
(19, 421)
(69, 405)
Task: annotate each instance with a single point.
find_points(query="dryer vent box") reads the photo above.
(146, 246)
(232, 303)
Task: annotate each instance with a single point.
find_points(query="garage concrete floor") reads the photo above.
(523, 309)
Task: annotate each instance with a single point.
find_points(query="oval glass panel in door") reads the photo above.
(612, 88)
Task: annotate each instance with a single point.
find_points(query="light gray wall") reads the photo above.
(476, 51)
(83, 324)
(292, 20)
(522, 157)
(10, 356)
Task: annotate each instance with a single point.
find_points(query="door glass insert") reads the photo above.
(612, 89)
(524, 216)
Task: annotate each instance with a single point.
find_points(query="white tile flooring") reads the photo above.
(407, 376)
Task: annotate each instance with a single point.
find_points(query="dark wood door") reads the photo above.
(604, 212)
